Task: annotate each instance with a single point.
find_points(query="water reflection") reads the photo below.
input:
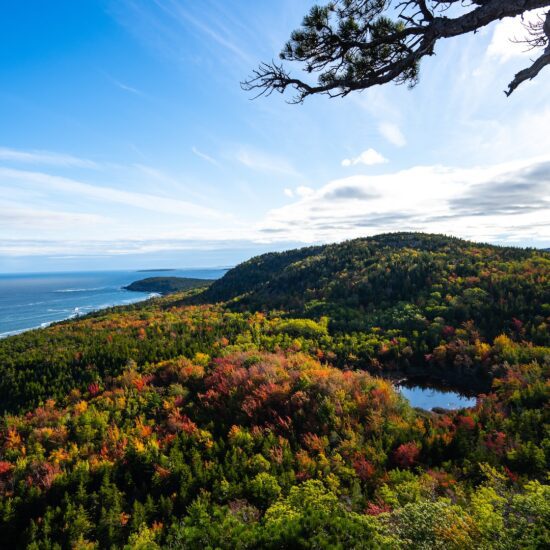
(427, 394)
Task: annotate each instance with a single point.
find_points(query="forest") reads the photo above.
(254, 414)
(166, 285)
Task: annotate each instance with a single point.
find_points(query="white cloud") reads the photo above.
(304, 191)
(368, 157)
(523, 136)
(498, 203)
(204, 156)
(508, 32)
(300, 191)
(45, 158)
(392, 133)
(264, 162)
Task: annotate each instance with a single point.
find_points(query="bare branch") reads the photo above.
(529, 73)
(538, 32)
(357, 44)
(539, 35)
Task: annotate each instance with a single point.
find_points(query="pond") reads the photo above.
(429, 394)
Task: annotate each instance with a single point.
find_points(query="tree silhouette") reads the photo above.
(357, 44)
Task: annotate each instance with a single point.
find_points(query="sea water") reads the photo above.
(34, 300)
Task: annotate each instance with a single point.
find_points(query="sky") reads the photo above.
(127, 142)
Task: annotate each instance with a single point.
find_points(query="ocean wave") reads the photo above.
(21, 330)
(30, 304)
(141, 298)
(13, 332)
(67, 313)
(92, 289)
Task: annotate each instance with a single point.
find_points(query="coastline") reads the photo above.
(77, 314)
(29, 301)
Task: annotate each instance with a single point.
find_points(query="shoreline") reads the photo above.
(35, 301)
(76, 315)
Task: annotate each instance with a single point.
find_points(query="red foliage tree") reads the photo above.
(363, 468)
(94, 389)
(406, 454)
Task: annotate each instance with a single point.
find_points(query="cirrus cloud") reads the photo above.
(264, 162)
(48, 158)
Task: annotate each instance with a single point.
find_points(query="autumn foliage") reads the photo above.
(253, 425)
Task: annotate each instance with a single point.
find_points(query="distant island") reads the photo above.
(155, 270)
(166, 285)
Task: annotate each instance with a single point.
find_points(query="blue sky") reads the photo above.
(126, 141)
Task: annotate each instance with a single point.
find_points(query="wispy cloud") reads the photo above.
(68, 249)
(392, 133)
(44, 158)
(167, 184)
(204, 156)
(127, 88)
(122, 85)
(13, 216)
(264, 162)
(368, 157)
(224, 39)
(500, 203)
(143, 201)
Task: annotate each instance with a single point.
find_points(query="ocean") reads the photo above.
(35, 300)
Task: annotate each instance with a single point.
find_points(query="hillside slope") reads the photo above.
(395, 302)
(396, 281)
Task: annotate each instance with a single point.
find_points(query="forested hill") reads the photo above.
(395, 280)
(166, 424)
(166, 285)
(389, 302)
